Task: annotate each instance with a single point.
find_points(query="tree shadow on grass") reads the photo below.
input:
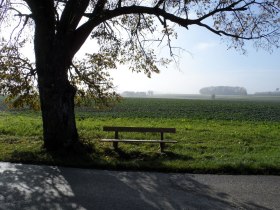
(81, 155)
(149, 156)
(89, 155)
(50, 187)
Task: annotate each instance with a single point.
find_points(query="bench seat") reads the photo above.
(138, 140)
(139, 129)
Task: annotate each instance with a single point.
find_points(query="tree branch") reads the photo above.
(95, 19)
(229, 8)
(71, 16)
(84, 30)
(220, 33)
(99, 7)
(160, 2)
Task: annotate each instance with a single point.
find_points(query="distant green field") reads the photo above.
(220, 97)
(240, 110)
(214, 136)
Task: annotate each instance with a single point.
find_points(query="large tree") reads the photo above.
(124, 30)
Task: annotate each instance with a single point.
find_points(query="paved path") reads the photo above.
(45, 187)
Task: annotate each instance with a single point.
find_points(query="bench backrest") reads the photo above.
(139, 129)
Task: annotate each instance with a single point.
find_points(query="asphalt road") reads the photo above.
(46, 187)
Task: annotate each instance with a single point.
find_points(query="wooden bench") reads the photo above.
(116, 140)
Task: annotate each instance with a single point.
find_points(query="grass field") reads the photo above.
(214, 136)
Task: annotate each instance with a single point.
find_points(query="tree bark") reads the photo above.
(57, 97)
(57, 105)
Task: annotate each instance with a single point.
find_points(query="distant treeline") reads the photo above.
(270, 93)
(137, 94)
(223, 90)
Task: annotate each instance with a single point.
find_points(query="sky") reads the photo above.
(206, 61)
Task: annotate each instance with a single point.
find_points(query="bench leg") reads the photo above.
(162, 145)
(115, 145)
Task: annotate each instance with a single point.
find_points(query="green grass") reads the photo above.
(237, 137)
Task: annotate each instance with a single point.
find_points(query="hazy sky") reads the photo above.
(207, 62)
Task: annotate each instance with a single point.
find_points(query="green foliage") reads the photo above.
(92, 81)
(18, 78)
(125, 40)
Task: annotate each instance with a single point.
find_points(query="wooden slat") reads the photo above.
(139, 129)
(138, 141)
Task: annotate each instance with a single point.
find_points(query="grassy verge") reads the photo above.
(204, 146)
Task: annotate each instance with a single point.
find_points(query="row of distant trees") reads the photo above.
(223, 90)
(269, 93)
(137, 94)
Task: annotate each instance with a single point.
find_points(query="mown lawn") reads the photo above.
(222, 137)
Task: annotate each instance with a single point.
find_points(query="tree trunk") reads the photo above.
(57, 105)
(57, 100)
